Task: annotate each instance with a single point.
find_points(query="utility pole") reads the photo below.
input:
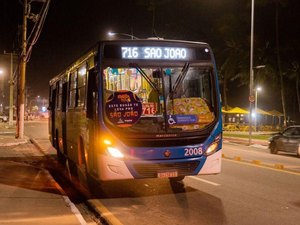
(23, 59)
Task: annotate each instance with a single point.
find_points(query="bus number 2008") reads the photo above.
(193, 151)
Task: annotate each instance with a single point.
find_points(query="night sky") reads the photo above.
(72, 27)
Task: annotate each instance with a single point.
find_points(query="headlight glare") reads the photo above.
(114, 152)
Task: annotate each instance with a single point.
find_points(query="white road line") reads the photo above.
(205, 181)
(66, 199)
(74, 210)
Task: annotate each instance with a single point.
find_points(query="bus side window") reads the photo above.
(91, 94)
(72, 90)
(64, 97)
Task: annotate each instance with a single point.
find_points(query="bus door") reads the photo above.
(92, 99)
(64, 120)
(52, 111)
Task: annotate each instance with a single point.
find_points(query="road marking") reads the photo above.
(263, 166)
(66, 199)
(205, 181)
(74, 210)
(104, 212)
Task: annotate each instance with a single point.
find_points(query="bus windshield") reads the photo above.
(159, 99)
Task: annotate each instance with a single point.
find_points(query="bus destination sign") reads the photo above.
(168, 53)
(148, 52)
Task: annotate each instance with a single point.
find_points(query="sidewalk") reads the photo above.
(7, 136)
(245, 141)
(29, 194)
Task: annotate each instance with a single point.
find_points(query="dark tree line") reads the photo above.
(226, 26)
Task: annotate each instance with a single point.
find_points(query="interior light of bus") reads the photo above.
(114, 152)
(212, 148)
(82, 71)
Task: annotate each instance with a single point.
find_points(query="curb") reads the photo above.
(275, 166)
(13, 141)
(245, 141)
(103, 212)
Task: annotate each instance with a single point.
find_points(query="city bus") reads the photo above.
(141, 108)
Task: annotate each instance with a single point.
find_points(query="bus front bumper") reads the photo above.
(110, 168)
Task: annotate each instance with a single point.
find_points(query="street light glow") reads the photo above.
(1, 72)
(257, 89)
(111, 34)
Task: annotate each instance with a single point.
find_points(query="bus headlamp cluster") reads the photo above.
(212, 148)
(111, 150)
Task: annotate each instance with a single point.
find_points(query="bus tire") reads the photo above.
(176, 179)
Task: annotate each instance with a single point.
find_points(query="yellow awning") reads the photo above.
(237, 110)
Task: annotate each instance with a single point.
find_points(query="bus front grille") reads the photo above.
(150, 170)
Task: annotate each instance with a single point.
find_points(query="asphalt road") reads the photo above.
(244, 193)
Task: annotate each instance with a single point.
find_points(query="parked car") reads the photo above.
(286, 141)
(3, 118)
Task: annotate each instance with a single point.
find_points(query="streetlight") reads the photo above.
(257, 89)
(111, 34)
(251, 73)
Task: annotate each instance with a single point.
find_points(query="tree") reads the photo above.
(294, 74)
(277, 4)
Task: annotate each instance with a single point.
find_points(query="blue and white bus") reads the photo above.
(131, 109)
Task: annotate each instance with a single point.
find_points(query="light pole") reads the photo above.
(257, 89)
(111, 34)
(251, 73)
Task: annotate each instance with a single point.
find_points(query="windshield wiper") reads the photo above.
(179, 79)
(145, 76)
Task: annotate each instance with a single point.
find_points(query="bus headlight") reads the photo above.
(114, 152)
(111, 149)
(212, 148)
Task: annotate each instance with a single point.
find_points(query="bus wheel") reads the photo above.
(176, 179)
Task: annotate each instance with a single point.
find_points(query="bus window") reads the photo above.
(72, 89)
(91, 94)
(64, 97)
(187, 91)
(59, 95)
(81, 86)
